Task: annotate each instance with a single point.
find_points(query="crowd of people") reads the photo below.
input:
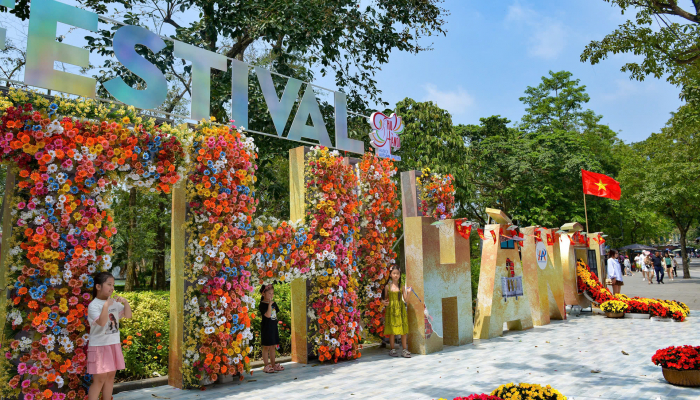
(652, 265)
(656, 264)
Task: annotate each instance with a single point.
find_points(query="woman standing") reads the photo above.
(614, 271)
(668, 261)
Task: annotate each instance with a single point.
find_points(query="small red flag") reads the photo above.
(600, 185)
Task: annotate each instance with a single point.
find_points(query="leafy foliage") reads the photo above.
(660, 171)
(146, 335)
(671, 48)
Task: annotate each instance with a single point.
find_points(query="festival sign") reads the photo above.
(43, 50)
(385, 134)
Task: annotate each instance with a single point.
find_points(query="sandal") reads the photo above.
(406, 354)
(393, 353)
(278, 367)
(269, 369)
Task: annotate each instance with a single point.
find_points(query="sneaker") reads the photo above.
(406, 354)
(393, 353)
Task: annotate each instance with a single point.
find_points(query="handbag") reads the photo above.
(608, 281)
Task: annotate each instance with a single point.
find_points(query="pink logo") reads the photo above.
(385, 134)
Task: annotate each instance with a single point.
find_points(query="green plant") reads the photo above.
(283, 298)
(476, 270)
(145, 337)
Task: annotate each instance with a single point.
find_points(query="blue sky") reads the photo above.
(495, 49)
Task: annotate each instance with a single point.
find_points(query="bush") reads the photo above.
(476, 270)
(145, 337)
(283, 298)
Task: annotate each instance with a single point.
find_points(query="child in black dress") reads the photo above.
(269, 333)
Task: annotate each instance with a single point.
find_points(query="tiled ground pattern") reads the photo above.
(562, 354)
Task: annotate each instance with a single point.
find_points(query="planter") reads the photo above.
(588, 296)
(637, 316)
(225, 379)
(661, 319)
(205, 381)
(690, 378)
(615, 315)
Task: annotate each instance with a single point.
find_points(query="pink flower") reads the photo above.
(21, 368)
(25, 384)
(21, 205)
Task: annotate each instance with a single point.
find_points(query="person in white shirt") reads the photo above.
(628, 266)
(104, 352)
(614, 271)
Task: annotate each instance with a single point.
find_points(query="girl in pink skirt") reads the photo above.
(104, 355)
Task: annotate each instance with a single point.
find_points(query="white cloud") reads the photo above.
(627, 89)
(547, 36)
(456, 102)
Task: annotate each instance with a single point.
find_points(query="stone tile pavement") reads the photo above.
(561, 354)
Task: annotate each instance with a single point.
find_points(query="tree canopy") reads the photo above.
(667, 37)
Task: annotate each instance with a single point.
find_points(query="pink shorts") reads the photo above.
(103, 359)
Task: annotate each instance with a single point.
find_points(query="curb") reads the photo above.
(140, 384)
(163, 380)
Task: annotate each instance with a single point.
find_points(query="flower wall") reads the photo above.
(63, 225)
(332, 202)
(379, 224)
(220, 247)
(69, 155)
(437, 194)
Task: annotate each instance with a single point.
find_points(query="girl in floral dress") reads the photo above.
(104, 354)
(395, 317)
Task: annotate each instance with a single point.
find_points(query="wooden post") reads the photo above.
(6, 236)
(297, 211)
(177, 284)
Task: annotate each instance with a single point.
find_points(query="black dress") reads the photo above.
(269, 333)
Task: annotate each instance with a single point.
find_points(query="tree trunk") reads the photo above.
(159, 260)
(131, 280)
(684, 253)
(152, 284)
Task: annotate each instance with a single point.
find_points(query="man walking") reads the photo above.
(658, 267)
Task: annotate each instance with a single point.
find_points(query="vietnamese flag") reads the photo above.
(600, 185)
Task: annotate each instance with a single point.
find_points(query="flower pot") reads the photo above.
(637, 315)
(588, 296)
(615, 315)
(689, 378)
(225, 379)
(205, 381)
(661, 319)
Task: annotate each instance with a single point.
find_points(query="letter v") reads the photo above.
(280, 109)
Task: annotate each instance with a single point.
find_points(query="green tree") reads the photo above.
(662, 173)
(533, 171)
(429, 140)
(664, 33)
(143, 237)
(555, 104)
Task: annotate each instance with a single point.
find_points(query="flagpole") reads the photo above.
(585, 210)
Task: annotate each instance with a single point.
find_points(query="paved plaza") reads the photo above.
(563, 354)
(685, 290)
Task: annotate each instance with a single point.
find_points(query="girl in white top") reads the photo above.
(104, 355)
(614, 271)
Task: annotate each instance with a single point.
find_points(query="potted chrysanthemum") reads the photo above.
(680, 364)
(614, 308)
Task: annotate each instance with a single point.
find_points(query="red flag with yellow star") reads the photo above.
(600, 185)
